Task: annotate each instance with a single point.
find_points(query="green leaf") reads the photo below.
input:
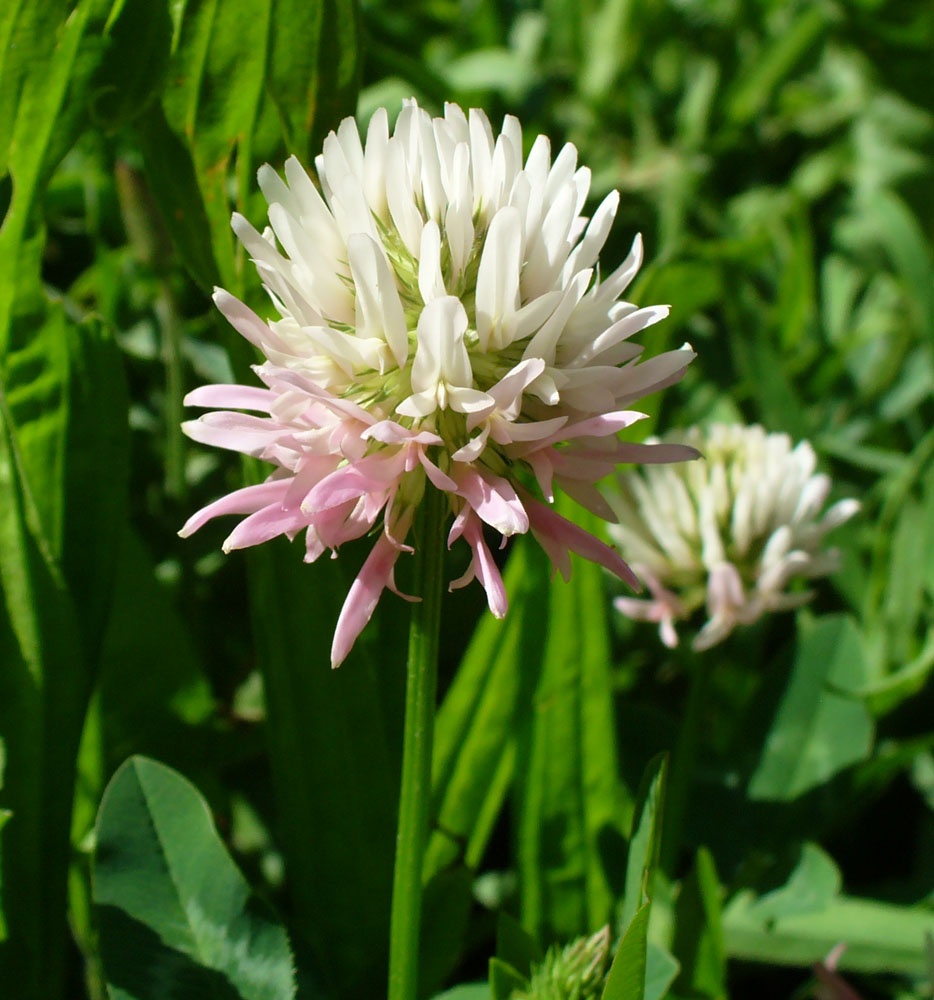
(43, 691)
(446, 904)
(172, 906)
(572, 805)
(218, 81)
(40, 126)
(334, 746)
(877, 935)
(814, 883)
(152, 708)
(699, 940)
(818, 729)
(131, 74)
(173, 184)
(504, 979)
(466, 991)
(515, 946)
(661, 969)
(63, 459)
(313, 85)
(475, 727)
(627, 977)
(645, 838)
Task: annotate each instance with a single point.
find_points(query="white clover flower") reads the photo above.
(440, 317)
(731, 532)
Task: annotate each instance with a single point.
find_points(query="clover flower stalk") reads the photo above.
(732, 533)
(441, 338)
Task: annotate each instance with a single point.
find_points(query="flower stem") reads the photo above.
(415, 791)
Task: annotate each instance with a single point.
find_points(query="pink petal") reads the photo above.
(438, 479)
(234, 397)
(588, 496)
(654, 453)
(247, 323)
(602, 426)
(370, 475)
(389, 432)
(263, 525)
(235, 431)
(562, 535)
(243, 501)
(493, 498)
(362, 598)
(486, 569)
(309, 471)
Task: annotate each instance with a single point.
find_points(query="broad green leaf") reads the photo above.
(225, 58)
(645, 838)
(313, 85)
(474, 755)
(43, 690)
(172, 181)
(877, 935)
(172, 906)
(137, 39)
(699, 939)
(627, 977)
(26, 39)
(817, 730)
(811, 887)
(504, 979)
(63, 457)
(572, 806)
(42, 130)
(334, 746)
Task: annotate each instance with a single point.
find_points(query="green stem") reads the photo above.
(415, 792)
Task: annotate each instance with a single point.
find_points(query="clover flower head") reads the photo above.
(439, 318)
(577, 971)
(732, 532)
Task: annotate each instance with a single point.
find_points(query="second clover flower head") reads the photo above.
(732, 532)
(440, 319)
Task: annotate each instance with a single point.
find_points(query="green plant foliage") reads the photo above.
(4, 816)
(336, 780)
(813, 884)
(699, 942)
(64, 457)
(644, 839)
(505, 980)
(488, 702)
(515, 946)
(877, 935)
(173, 909)
(627, 978)
(571, 803)
(819, 728)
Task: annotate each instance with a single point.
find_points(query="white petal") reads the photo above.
(430, 278)
(379, 311)
(498, 278)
